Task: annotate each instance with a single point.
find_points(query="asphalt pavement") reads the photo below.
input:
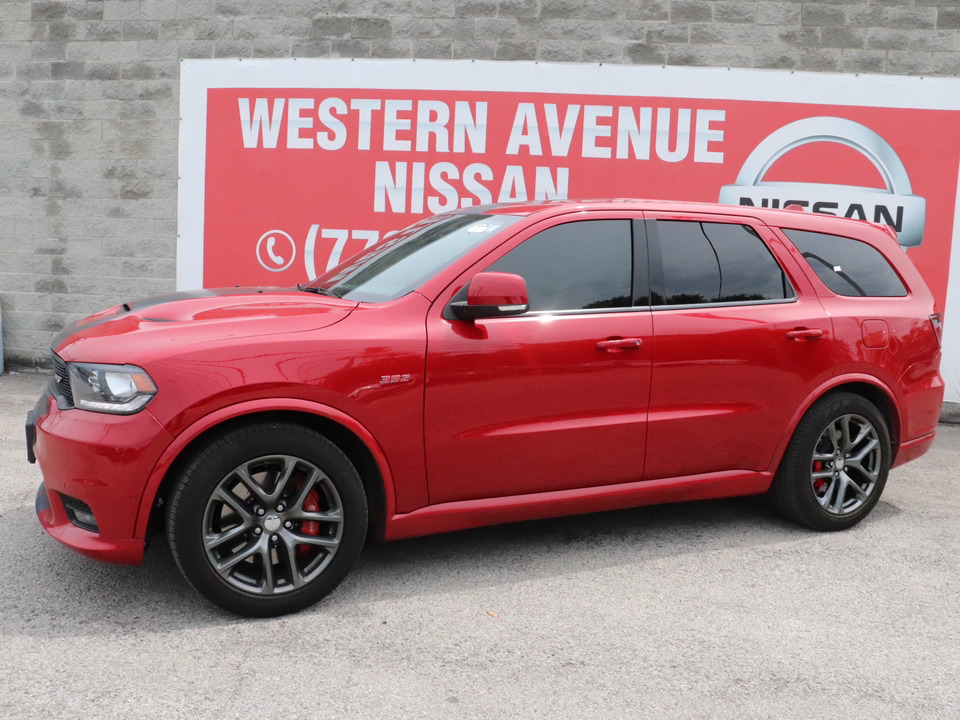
(702, 610)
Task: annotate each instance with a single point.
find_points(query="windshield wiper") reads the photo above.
(317, 290)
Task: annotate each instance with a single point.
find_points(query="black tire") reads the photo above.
(267, 519)
(836, 465)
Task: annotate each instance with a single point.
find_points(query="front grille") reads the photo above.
(63, 379)
(79, 513)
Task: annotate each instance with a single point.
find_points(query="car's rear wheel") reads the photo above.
(836, 465)
(267, 519)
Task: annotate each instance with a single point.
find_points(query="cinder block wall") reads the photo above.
(89, 101)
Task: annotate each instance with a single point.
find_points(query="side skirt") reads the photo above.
(464, 514)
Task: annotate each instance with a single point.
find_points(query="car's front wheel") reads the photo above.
(836, 465)
(267, 519)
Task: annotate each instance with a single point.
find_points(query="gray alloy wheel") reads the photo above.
(846, 464)
(267, 519)
(273, 524)
(836, 465)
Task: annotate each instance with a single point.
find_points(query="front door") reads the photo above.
(551, 400)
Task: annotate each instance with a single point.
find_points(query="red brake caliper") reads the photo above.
(818, 467)
(310, 527)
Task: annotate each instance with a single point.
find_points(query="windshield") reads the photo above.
(408, 258)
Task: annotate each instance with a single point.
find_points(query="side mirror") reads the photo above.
(493, 294)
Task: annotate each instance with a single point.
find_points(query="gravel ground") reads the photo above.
(703, 610)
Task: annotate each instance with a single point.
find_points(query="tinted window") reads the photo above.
(848, 266)
(579, 265)
(717, 262)
(406, 259)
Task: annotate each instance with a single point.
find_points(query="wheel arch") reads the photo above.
(869, 388)
(348, 435)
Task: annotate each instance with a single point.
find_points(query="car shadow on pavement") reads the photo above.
(62, 593)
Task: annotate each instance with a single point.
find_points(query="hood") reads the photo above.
(198, 316)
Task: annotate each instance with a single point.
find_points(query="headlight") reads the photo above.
(118, 389)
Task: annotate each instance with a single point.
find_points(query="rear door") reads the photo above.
(740, 340)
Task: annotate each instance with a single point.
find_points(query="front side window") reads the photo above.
(707, 262)
(409, 258)
(848, 266)
(585, 265)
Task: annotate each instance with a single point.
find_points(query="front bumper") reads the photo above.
(103, 461)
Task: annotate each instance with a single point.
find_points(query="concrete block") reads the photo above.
(232, 48)
(864, 16)
(605, 9)
(372, 28)
(569, 9)
(567, 29)
(46, 11)
(645, 54)
(292, 28)
(158, 9)
(901, 40)
(731, 57)
(88, 11)
(477, 8)
(195, 49)
(14, 51)
(159, 50)
(387, 8)
(214, 29)
(475, 49)
(843, 37)
(270, 48)
(822, 15)
(661, 32)
(432, 49)
(253, 29)
(454, 29)
(33, 71)
(802, 37)
(397, 48)
(412, 27)
(496, 28)
(735, 12)
(18, 12)
(196, 8)
(56, 50)
(691, 55)
(67, 71)
(516, 50)
(691, 11)
(331, 27)
(778, 13)
(435, 8)
(601, 52)
(121, 10)
(648, 10)
(948, 18)
(776, 58)
(729, 34)
(865, 61)
(934, 63)
(912, 18)
(350, 48)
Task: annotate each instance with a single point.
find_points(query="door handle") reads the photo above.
(619, 344)
(805, 334)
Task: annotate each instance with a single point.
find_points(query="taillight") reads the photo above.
(937, 322)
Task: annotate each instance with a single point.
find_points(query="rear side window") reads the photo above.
(717, 263)
(585, 265)
(848, 266)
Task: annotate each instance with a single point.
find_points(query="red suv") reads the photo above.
(491, 365)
